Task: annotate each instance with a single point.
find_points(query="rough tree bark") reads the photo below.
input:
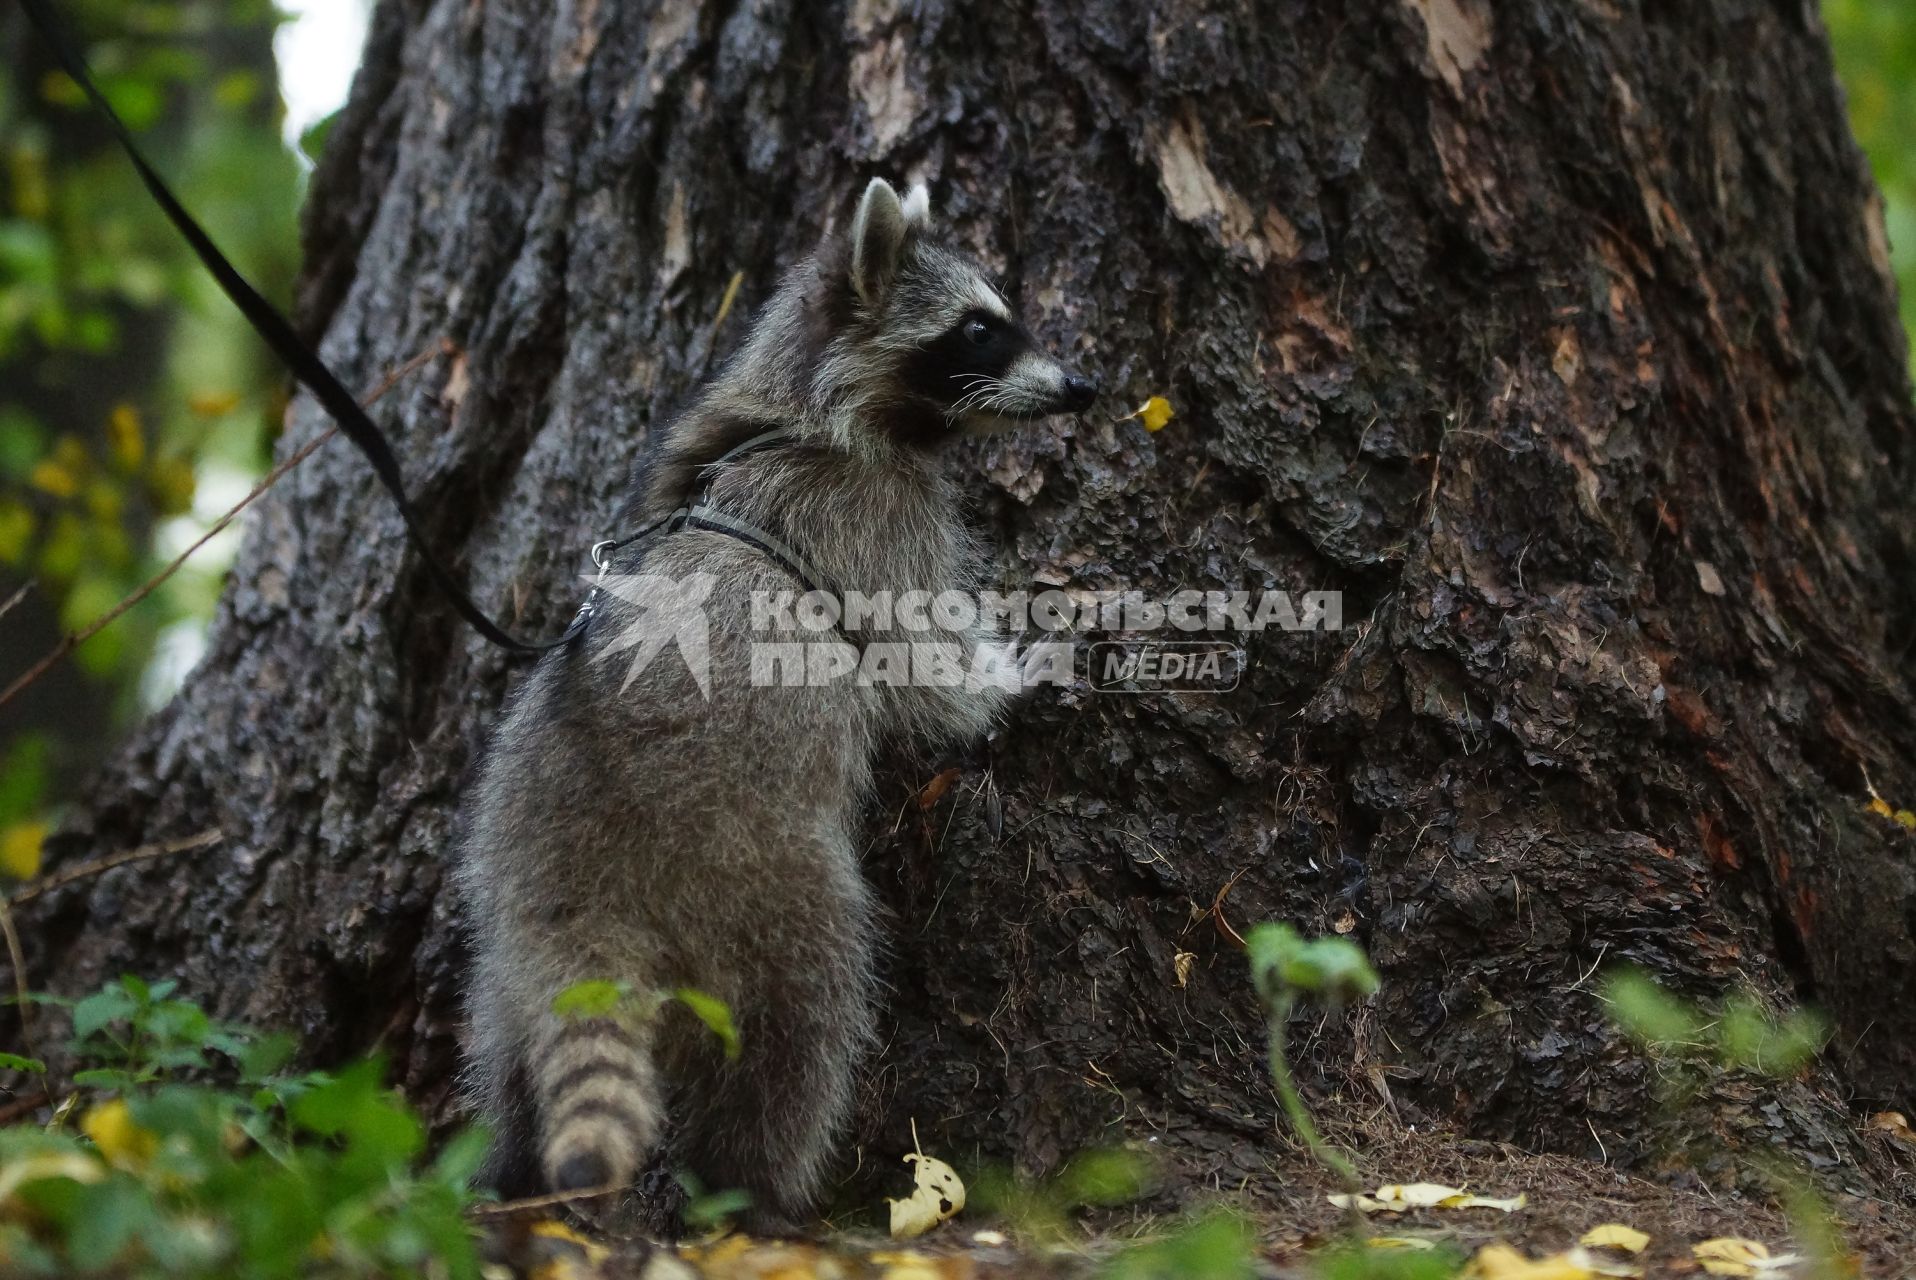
(1557, 334)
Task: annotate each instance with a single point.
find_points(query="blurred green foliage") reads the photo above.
(133, 401)
(190, 1151)
(1875, 42)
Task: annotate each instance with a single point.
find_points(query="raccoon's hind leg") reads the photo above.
(599, 1104)
(512, 1160)
(495, 1086)
(768, 1121)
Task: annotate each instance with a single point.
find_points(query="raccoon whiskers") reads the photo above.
(982, 393)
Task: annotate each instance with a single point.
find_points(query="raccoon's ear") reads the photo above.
(918, 207)
(878, 242)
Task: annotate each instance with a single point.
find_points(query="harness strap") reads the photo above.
(700, 514)
(781, 553)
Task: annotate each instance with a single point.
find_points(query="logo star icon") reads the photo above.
(671, 611)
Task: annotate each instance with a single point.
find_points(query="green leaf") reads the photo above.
(1219, 1247)
(265, 1056)
(1652, 1016)
(177, 1022)
(714, 1013)
(593, 998)
(709, 1212)
(1750, 1039)
(356, 1106)
(313, 141)
(459, 1161)
(1358, 1261)
(108, 1005)
(25, 768)
(14, 1062)
(108, 1078)
(1109, 1177)
(1284, 964)
(46, 998)
(110, 1214)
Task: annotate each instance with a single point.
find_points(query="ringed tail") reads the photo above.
(598, 1105)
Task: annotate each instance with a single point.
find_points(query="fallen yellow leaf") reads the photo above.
(564, 1268)
(1153, 413)
(938, 1195)
(1880, 807)
(117, 1135)
(1614, 1235)
(1894, 1123)
(1510, 1205)
(1416, 1195)
(912, 1271)
(552, 1230)
(1360, 1202)
(20, 847)
(1501, 1262)
(727, 1250)
(1730, 1256)
(1401, 1197)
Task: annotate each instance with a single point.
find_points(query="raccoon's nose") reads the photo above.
(1079, 392)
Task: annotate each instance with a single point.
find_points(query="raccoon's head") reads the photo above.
(922, 337)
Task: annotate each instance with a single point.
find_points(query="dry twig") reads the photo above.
(67, 875)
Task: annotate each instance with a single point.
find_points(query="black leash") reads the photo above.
(286, 344)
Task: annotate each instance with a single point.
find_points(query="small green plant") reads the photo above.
(1357, 1260)
(707, 1210)
(1042, 1209)
(1738, 1034)
(1218, 1246)
(316, 1174)
(1284, 968)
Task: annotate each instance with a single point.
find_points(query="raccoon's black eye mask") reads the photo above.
(980, 345)
(989, 337)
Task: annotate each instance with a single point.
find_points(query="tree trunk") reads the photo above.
(1559, 338)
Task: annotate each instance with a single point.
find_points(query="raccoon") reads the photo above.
(642, 826)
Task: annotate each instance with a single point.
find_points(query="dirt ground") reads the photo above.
(1295, 1225)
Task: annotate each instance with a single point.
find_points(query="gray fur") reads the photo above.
(661, 839)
